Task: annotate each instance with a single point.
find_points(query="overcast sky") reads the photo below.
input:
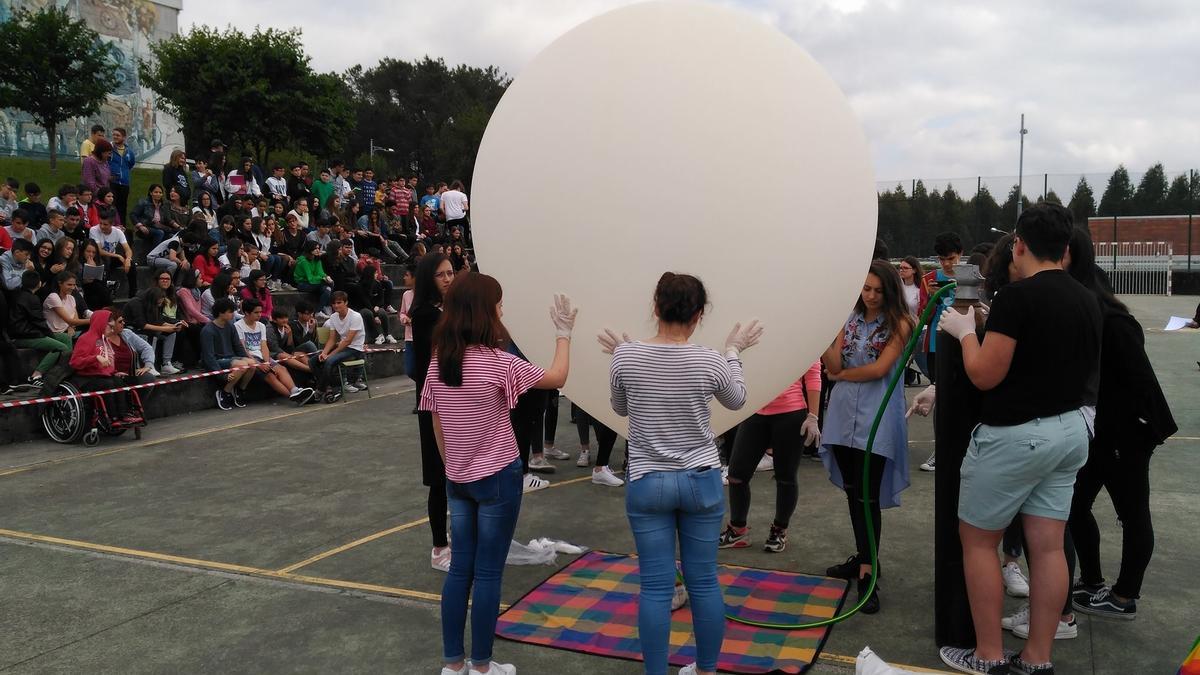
(938, 85)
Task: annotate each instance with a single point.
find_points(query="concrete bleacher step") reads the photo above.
(25, 423)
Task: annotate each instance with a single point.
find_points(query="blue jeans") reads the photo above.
(410, 361)
(323, 290)
(326, 373)
(483, 516)
(660, 505)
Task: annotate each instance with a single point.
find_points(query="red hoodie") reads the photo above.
(93, 354)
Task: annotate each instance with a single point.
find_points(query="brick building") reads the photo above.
(1173, 229)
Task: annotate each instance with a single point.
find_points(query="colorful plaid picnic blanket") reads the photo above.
(1191, 663)
(590, 606)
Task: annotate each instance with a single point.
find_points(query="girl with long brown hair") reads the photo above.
(860, 361)
(471, 385)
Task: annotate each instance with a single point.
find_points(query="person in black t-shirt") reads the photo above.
(1041, 345)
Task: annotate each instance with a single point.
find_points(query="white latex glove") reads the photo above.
(563, 316)
(608, 340)
(740, 339)
(923, 403)
(811, 431)
(957, 325)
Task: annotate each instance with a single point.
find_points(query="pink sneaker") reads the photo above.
(439, 559)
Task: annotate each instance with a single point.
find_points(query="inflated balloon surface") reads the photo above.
(684, 137)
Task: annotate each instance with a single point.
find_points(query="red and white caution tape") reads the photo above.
(150, 385)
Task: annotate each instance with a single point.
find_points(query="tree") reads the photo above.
(432, 115)
(256, 91)
(55, 69)
(1183, 197)
(1150, 197)
(987, 214)
(1008, 211)
(1118, 195)
(1083, 202)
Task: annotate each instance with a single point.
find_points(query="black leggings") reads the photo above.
(117, 405)
(605, 438)
(850, 463)
(551, 407)
(1126, 476)
(433, 474)
(782, 434)
(526, 420)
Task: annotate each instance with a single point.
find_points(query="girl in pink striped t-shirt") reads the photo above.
(471, 385)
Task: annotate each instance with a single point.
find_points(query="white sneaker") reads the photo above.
(585, 457)
(465, 670)
(498, 669)
(389, 339)
(534, 483)
(1020, 617)
(554, 453)
(689, 669)
(152, 372)
(286, 286)
(724, 475)
(440, 559)
(392, 310)
(604, 476)
(1067, 630)
(767, 463)
(541, 465)
(679, 598)
(170, 370)
(379, 339)
(929, 464)
(350, 388)
(1015, 582)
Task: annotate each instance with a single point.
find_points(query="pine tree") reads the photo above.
(1118, 195)
(1083, 202)
(1150, 197)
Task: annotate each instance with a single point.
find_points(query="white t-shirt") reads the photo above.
(53, 320)
(342, 327)
(252, 338)
(912, 295)
(110, 242)
(455, 204)
(160, 251)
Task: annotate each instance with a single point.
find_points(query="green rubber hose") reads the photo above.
(872, 544)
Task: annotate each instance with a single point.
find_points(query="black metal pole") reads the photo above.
(1114, 267)
(1191, 210)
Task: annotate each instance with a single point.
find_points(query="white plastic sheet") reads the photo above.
(540, 551)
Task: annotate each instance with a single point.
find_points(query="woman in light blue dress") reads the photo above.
(861, 361)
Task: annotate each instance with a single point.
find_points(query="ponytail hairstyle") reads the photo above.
(469, 318)
(679, 298)
(894, 308)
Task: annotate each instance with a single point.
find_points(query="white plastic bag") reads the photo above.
(868, 663)
(540, 551)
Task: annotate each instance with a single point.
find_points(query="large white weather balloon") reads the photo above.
(683, 137)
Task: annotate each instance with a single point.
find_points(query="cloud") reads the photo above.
(939, 85)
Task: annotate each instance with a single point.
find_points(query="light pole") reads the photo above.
(371, 148)
(1021, 164)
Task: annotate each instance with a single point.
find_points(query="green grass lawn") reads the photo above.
(37, 170)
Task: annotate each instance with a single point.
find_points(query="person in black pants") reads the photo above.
(1132, 418)
(526, 419)
(434, 276)
(606, 438)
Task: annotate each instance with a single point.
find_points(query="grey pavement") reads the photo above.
(269, 486)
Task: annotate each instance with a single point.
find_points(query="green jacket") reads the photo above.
(309, 271)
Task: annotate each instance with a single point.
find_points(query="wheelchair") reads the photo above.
(78, 417)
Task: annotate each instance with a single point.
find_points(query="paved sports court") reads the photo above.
(276, 539)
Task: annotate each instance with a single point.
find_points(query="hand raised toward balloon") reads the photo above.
(740, 339)
(563, 316)
(608, 340)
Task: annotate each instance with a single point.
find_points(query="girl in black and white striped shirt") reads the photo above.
(664, 386)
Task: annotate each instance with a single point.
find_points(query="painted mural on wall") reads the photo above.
(131, 25)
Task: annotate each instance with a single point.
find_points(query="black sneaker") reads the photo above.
(1104, 603)
(965, 661)
(35, 381)
(871, 606)
(224, 400)
(1018, 667)
(239, 398)
(302, 395)
(731, 538)
(846, 570)
(776, 539)
(333, 395)
(1081, 592)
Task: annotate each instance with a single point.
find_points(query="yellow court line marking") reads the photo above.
(392, 530)
(220, 566)
(305, 579)
(357, 542)
(1184, 438)
(180, 437)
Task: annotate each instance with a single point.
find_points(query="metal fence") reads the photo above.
(1137, 267)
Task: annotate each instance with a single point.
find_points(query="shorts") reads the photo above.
(224, 364)
(1025, 468)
